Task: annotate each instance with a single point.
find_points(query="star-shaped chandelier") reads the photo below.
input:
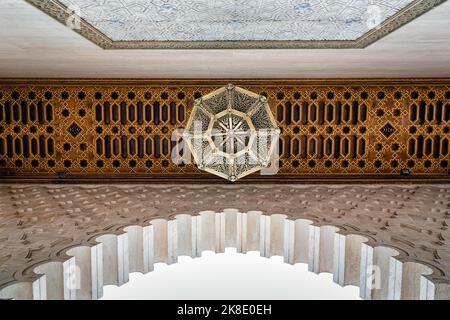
(232, 133)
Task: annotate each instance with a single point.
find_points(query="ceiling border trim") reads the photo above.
(268, 82)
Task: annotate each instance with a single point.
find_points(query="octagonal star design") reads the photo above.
(232, 133)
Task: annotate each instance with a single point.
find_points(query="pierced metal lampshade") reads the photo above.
(232, 133)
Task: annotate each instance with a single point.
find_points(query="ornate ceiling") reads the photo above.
(234, 23)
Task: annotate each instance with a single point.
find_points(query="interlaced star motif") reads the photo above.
(232, 133)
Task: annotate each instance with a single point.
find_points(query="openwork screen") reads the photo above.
(121, 128)
(232, 133)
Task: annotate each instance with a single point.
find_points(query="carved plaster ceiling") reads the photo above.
(345, 230)
(234, 23)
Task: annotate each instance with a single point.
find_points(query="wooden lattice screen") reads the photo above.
(354, 129)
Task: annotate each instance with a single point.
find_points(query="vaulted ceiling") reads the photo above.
(35, 45)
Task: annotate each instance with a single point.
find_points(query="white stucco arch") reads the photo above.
(81, 271)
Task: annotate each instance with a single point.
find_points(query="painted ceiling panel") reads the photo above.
(234, 24)
(235, 20)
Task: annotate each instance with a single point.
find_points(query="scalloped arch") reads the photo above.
(81, 271)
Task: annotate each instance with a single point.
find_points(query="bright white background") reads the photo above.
(231, 276)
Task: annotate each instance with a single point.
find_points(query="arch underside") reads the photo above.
(68, 241)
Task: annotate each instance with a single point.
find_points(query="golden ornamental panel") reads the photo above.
(119, 128)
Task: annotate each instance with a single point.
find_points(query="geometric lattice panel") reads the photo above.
(115, 129)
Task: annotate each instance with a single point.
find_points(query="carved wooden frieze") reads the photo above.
(119, 129)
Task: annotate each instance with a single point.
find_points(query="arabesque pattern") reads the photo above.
(237, 24)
